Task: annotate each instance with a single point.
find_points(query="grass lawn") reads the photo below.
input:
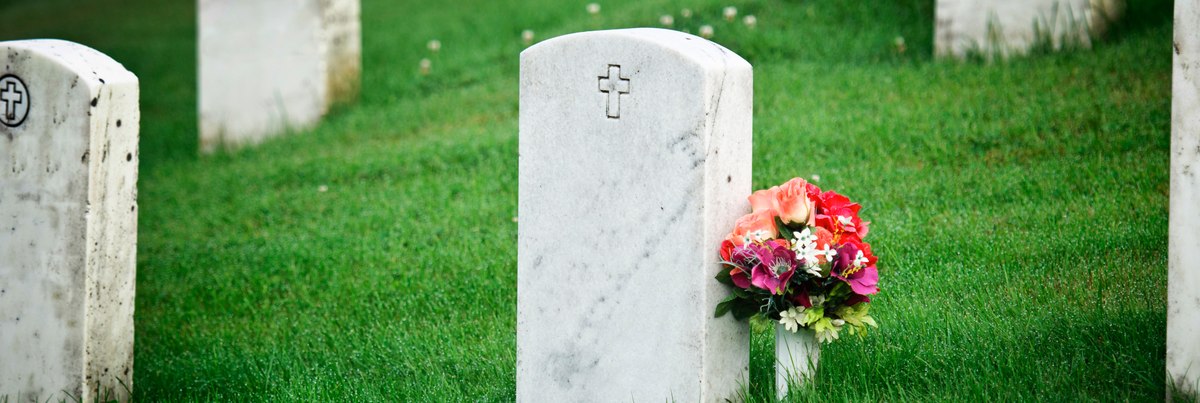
(1019, 209)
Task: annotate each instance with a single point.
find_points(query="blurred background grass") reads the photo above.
(1019, 208)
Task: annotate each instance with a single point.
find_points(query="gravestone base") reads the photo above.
(991, 28)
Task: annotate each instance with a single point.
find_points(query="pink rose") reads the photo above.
(790, 201)
(763, 200)
(750, 223)
(793, 204)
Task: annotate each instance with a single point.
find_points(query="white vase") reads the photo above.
(796, 356)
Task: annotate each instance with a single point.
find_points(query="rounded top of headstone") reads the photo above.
(91, 66)
(702, 52)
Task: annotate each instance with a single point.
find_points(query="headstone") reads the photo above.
(1006, 27)
(68, 222)
(1183, 285)
(635, 151)
(270, 66)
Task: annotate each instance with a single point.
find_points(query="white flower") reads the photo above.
(666, 20)
(729, 13)
(434, 45)
(527, 36)
(750, 21)
(761, 236)
(593, 8)
(846, 220)
(426, 65)
(827, 336)
(706, 31)
(829, 253)
(860, 260)
(817, 300)
(686, 13)
(816, 178)
(790, 319)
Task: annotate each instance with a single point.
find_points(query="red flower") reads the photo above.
(840, 216)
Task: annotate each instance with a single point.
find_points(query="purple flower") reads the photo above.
(776, 265)
(862, 279)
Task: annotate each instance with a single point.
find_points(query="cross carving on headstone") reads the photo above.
(613, 85)
(11, 96)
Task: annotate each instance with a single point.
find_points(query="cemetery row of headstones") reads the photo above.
(648, 131)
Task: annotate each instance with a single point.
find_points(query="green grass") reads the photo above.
(1019, 208)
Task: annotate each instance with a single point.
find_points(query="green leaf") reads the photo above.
(743, 309)
(784, 232)
(724, 278)
(724, 306)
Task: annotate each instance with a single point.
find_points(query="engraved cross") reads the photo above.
(613, 85)
(11, 97)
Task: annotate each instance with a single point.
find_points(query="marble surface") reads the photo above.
(1183, 284)
(270, 66)
(635, 151)
(1007, 27)
(68, 223)
(796, 358)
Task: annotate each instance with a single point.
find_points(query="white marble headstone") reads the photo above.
(68, 222)
(1183, 285)
(1008, 27)
(269, 66)
(635, 150)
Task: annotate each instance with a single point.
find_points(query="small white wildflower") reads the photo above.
(827, 336)
(750, 21)
(426, 65)
(790, 319)
(322, 188)
(860, 260)
(817, 300)
(900, 45)
(434, 45)
(706, 31)
(667, 20)
(829, 253)
(593, 8)
(761, 236)
(527, 36)
(816, 178)
(729, 13)
(686, 13)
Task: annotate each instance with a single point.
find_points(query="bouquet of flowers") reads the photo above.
(799, 258)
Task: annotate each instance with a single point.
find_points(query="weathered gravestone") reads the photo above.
(1183, 286)
(268, 66)
(634, 164)
(68, 222)
(1007, 27)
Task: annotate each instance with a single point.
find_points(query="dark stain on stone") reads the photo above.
(129, 156)
(95, 101)
(118, 122)
(729, 179)
(1177, 50)
(102, 81)
(85, 157)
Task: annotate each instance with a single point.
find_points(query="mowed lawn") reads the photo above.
(1019, 208)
